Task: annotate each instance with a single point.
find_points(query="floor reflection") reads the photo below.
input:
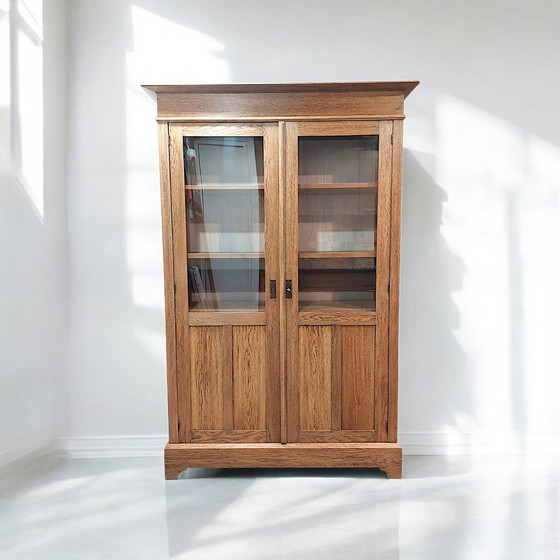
(283, 513)
(453, 508)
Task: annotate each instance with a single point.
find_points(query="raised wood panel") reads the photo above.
(211, 380)
(358, 358)
(315, 378)
(280, 105)
(249, 378)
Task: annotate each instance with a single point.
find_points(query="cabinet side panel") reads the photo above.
(249, 378)
(315, 377)
(381, 381)
(396, 190)
(167, 238)
(358, 359)
(210, 362)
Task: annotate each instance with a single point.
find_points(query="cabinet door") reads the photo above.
(337, 260)
(224, 182)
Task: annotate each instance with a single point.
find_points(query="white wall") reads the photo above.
(479, 347)
(33, 233)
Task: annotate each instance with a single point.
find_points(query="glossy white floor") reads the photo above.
(455, 508)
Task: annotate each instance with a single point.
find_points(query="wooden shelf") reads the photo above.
(336, 254)
(228, 307)
(224, 187)
(322, 186)
(367, 305)
(225, 255)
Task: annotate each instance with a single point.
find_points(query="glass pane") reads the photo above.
(337, 222)
(224, 199)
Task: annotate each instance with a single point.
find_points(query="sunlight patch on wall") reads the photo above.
(21, 95)
(503, 186)
(539, 219)
(5, 128)
(162, 52)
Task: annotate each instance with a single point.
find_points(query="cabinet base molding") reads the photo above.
(384, 456)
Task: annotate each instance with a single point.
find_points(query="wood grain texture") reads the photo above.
(381, 394)
(280, 105)
(225, 255)
(336, 379)
(336, 436)
(315, 369)
(338, 128)
(229, 436)
(180, 279)
(283, 333)
(347, 187)
(336, 254)
(273, 380)
(337, 317)
(211, 318)
(241, 380)
(167, 239)
(224, 187)
(358, 358)
(249, 378)
(220, 119)
(210, 358)
(227, 377)
(406, 87)
(396, 190)
(291, 272)
(230, 129)
(385, 456)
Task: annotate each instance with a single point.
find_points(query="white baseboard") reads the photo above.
(478, 443)
(92, 447)
(413, 443)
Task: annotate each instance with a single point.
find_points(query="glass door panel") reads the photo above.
(337, 207)
(224, 203)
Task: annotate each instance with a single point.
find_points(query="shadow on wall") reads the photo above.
(432, 362)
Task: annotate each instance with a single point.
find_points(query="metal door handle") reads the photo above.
(288, 289)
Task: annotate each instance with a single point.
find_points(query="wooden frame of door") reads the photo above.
(330, 333)
(221, 333)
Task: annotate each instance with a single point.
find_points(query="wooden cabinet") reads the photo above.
(281, 227)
